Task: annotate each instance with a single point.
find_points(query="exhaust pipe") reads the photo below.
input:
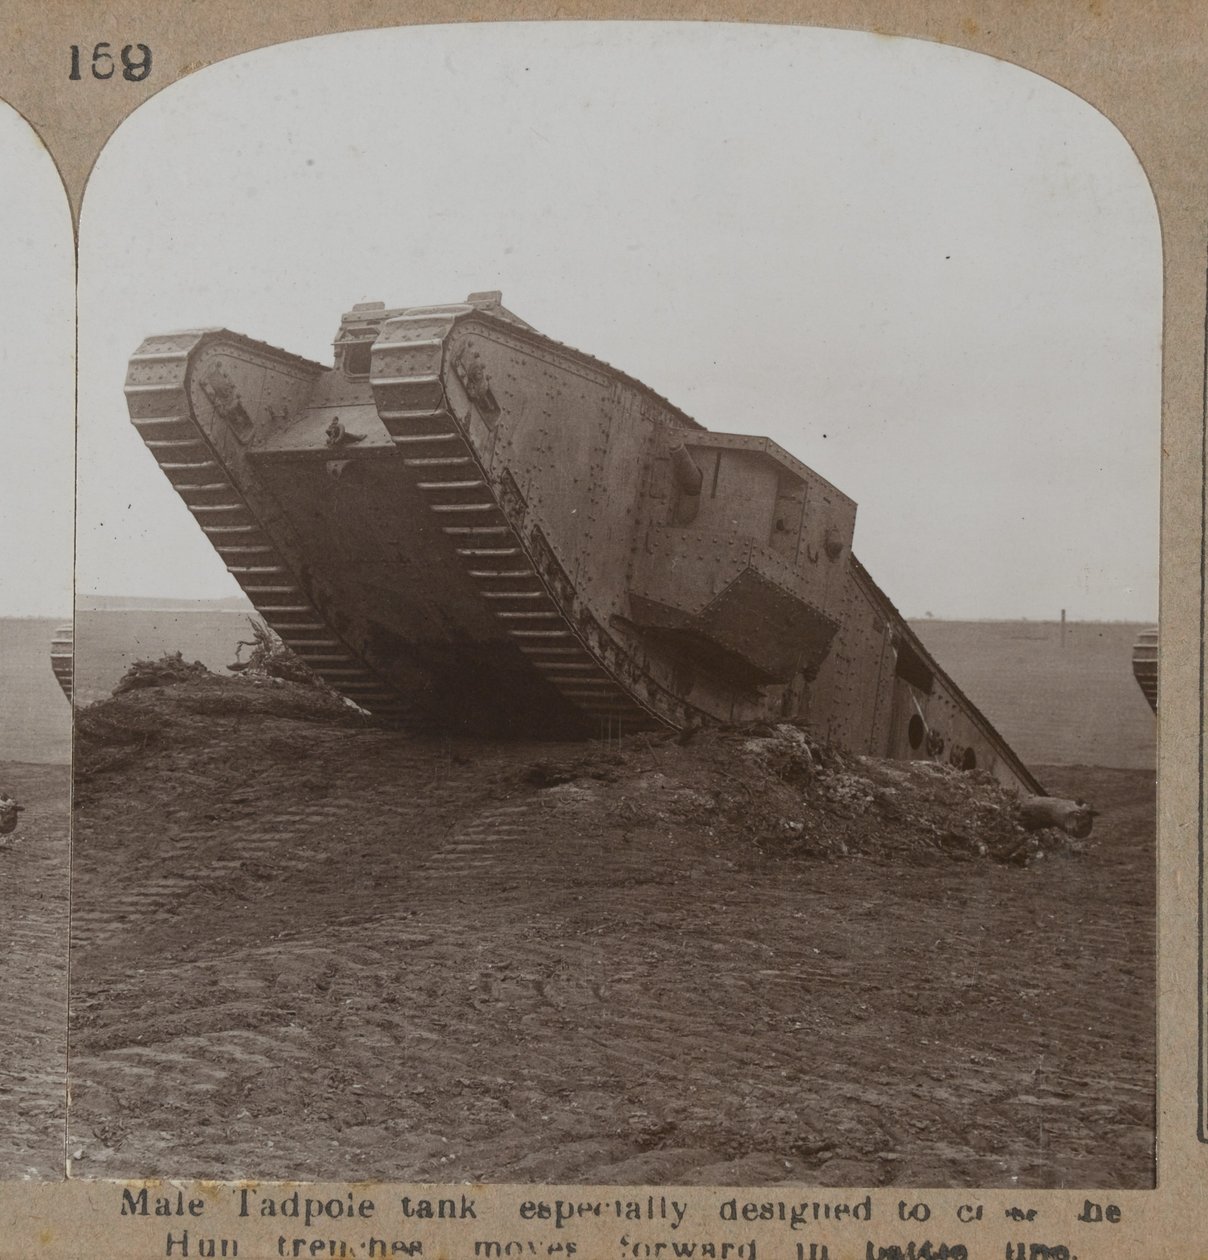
(688, 481)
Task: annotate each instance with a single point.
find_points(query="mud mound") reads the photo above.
(165, 672)
(783, 793)
(171, 703)
(763, 791)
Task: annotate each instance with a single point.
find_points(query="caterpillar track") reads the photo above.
(157, 397)
(444, 471)
(465, 524)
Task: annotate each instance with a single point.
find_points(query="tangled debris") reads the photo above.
(271, 657)
(169, 670)
(785, 793)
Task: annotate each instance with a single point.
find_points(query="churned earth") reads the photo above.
(34, 863)
(307, 947)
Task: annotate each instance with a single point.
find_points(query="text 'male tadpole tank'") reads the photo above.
(465, 523)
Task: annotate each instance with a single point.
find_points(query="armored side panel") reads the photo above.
(918, 712)
(466, 523)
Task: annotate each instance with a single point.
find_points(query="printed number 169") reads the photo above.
(135, 59)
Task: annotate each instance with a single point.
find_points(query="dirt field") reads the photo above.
(33, 979)
(303, 949)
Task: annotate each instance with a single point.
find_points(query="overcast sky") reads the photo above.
(934, 277)
(37, 326)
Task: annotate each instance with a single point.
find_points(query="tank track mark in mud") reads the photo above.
(62, 658)
(158, 397)
(499, 534)
(1145, 665)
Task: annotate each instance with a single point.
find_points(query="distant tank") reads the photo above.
(62, 658)
(463, 523)
(1145, 665)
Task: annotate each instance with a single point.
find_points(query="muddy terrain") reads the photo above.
(303, 947)
(33, 978)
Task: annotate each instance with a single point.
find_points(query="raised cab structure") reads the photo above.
(463, 523)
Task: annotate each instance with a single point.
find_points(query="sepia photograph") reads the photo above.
(37, 328)
(615, 618)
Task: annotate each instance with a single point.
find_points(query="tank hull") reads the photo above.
(62, 658)
(1145, 665)
(464, 523)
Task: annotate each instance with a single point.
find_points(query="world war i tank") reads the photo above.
(1145, 665)
(62, 658)
(466, 524)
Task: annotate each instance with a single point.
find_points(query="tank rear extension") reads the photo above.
(465, 524)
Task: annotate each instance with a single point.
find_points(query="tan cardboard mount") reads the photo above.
(1145, 67)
